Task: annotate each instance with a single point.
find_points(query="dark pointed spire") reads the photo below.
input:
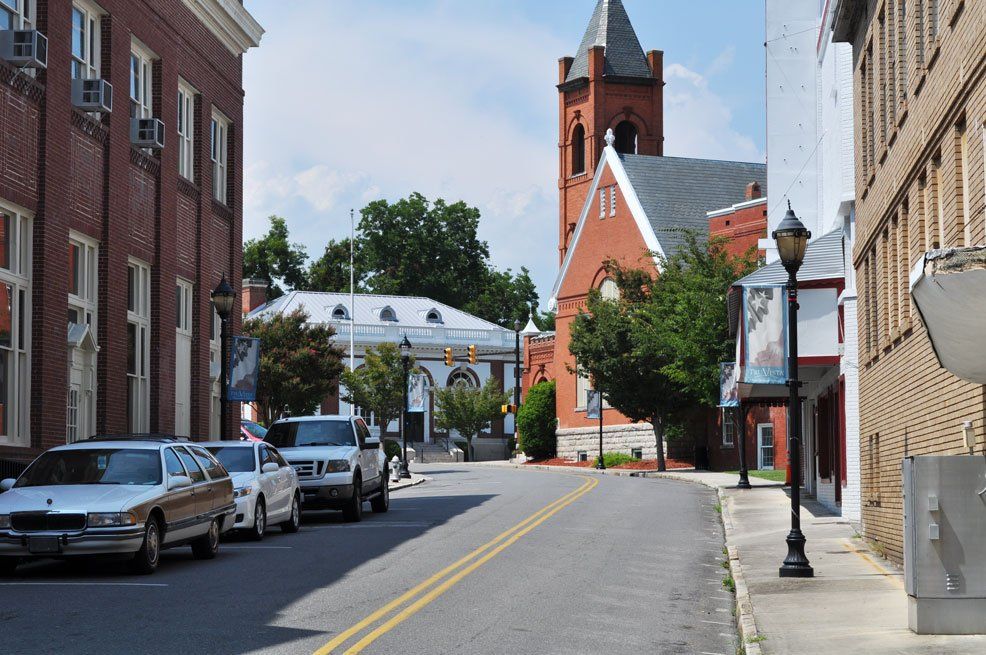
(610, 27)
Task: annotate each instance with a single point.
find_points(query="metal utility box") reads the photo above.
(945, 543)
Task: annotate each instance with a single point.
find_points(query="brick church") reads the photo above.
(620, 198)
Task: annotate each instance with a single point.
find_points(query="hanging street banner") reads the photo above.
(594, 404)
(244, 369)
(728, 384)
(416, 396)
(764, 334)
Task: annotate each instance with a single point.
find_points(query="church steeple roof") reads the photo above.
(610, 27)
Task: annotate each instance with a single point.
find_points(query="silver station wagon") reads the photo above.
(130, 495)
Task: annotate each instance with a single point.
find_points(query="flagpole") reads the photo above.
(352, 291)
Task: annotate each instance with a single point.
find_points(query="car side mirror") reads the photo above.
(7, 484)
(371, 443)
(270, 467)
(179, 482)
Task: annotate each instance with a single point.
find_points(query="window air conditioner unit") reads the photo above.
(92, 95)
(24, 48)
(147, 133)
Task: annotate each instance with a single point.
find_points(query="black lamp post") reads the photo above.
(792, 242)
(516, 382)
(223, 297)
(405, 348)
(740, 423)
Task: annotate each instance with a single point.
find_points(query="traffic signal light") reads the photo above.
(508, 409)
(472, 354)
(449, 360)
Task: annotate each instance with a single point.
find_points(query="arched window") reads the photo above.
(434, 316)
(626, 138)
(388, 314)
(340, 313)
(460, 378)
(578, 150)
(608, 289)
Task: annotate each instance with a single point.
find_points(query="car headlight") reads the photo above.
(111, 519)
(337, 466)
(240, 492)
(4, 521)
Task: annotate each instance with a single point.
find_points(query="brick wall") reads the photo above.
(909, 188)
(72, 171)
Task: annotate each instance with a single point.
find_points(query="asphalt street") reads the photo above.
(476, 560)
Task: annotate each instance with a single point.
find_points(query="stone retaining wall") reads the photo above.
(616, 439)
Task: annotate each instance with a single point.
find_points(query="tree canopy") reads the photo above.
(536, 421)
(378, 385)
(468, 410)
(274, 258)
(330, 272)
(299, 365)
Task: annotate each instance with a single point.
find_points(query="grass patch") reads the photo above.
(729, 584)
(718, 508)
(614, 459)
(755, 639)
(775, 475)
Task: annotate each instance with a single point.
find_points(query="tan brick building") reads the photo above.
(920, 117)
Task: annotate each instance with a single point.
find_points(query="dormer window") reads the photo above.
(434, 316)
(388, 314)
(340, 313)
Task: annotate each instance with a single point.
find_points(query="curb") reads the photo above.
(405, 485)
(622, 473)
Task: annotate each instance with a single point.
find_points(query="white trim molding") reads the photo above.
(230, 22)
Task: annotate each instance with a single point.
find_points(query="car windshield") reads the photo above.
(255, 429)
(311, 433)
(130, 466)
(236, 459)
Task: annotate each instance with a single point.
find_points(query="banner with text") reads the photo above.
(417, 384)
(728, 384)
(764, 334)
(244, 369)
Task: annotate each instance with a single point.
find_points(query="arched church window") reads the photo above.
(626, 138)
(460, 378)
(608, 289)
(578, 150)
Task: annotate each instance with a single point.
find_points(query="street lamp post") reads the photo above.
(792, 242)
(223, 297)
(405, 349)
(516, 382)
(744, 474)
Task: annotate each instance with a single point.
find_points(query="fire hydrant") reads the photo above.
(395, 469)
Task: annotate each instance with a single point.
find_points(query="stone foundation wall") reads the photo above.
(616, 439)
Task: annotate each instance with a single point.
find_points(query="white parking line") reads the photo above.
(83, 584)
(225, 547)
(716, 622)
(393, 524)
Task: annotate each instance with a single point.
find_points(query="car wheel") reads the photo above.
(207, 546)
(353, 512)
(293, 523)
(8, 565)
(259, 520)
(146, 559)
(381, 502)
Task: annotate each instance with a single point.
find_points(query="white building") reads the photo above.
(430, 327)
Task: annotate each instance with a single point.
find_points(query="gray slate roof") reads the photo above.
(824, 260)
(411, 311)
(610, 27)
(677, 192)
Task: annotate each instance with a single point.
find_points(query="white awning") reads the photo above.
(949, 290)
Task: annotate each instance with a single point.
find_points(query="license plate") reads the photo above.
(40, 545)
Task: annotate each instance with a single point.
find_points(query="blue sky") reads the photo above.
(348, 101)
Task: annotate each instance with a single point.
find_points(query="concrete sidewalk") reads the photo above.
(854, 604)
(416, 479)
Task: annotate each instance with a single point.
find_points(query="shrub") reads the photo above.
(614, 459)
(391, 448)
(536, 421)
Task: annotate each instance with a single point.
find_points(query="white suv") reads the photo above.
(338, 462)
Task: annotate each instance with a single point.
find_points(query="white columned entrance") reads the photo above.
(80, 409)
(183, 358)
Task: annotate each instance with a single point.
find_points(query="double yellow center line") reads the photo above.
(438, 584)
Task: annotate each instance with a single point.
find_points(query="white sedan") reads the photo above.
(265, 486)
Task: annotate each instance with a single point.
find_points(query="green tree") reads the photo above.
(536, 421)
(468, 410)
(274, 258)
(330, 272)
(299, 366)
(378, 385)
(607, 346)
(504, 297)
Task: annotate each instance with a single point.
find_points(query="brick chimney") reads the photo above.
(254, 294)
(753, 191)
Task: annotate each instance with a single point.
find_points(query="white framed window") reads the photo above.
(183, 306)
(83, 278)
(608, 289)
(138, 345)
(728, 427)
(602, 203)
(461, 378)
(141, 73)
(637, 453)
(215, 353)
(186, 130)
(219, 134)
(15, 326)
(85, 41)
(183, 357)
(581, 389)
(582, 456)
(16, 14)
(612, 201)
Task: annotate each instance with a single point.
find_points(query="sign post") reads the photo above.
(594, 409)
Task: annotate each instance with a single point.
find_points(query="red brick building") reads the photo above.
(744, 224)
(103, 223)
(621, 199)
